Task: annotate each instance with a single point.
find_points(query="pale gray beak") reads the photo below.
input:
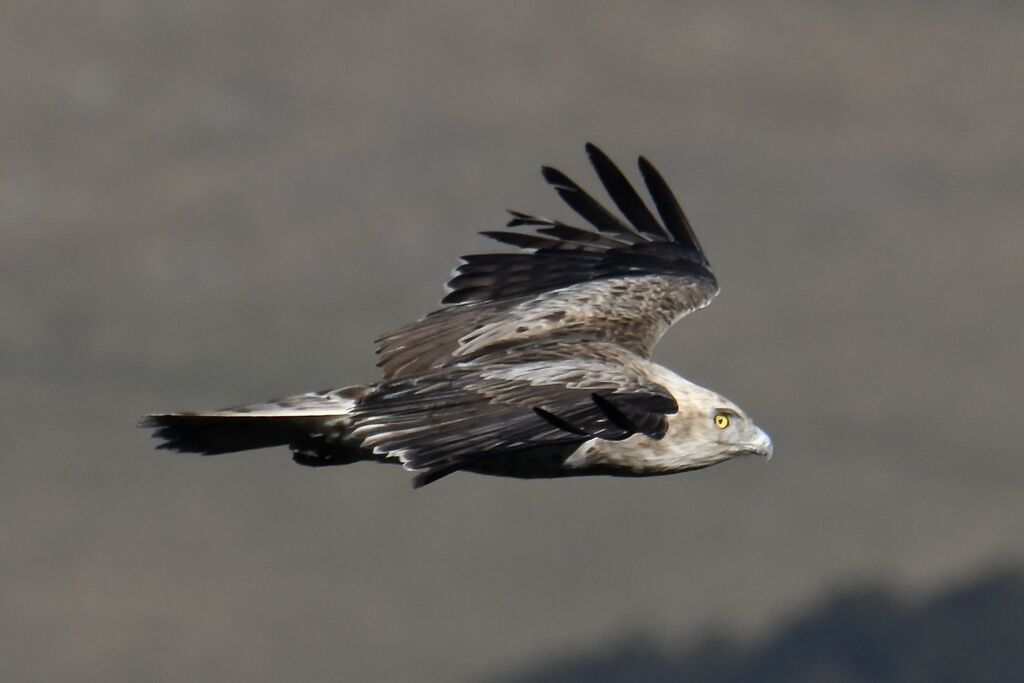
(762, 443)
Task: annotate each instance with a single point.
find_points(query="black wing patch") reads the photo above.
(561, 255)
(455, 418)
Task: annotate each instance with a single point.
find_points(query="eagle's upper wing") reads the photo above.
(552, 395)
(624, 282)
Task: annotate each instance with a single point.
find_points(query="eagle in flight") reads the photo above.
(536, 365)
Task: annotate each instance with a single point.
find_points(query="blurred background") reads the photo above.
(208, 203)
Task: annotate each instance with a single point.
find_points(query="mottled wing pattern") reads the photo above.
(505, 403)
(623, 280)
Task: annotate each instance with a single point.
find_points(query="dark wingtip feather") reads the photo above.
(609, 246)
(669, 208)
(556, 178)
(624, 195)
(586, 206)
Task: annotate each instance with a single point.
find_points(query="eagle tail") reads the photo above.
(312, 425)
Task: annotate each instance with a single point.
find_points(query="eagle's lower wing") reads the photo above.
(624, 282)
(506, 403)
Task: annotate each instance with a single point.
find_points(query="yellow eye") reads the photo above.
(721, 420)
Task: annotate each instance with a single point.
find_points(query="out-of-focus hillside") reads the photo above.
(970, 632)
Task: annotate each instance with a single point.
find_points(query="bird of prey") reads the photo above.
(537, 364)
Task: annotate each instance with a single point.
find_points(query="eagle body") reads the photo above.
(537, 365)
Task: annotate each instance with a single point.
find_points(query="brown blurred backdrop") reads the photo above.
(205, 203)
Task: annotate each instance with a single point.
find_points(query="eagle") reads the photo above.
(536, 365)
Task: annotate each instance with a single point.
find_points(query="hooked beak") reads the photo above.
(761, 444)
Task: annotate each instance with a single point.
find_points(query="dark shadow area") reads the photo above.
(971, 632)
